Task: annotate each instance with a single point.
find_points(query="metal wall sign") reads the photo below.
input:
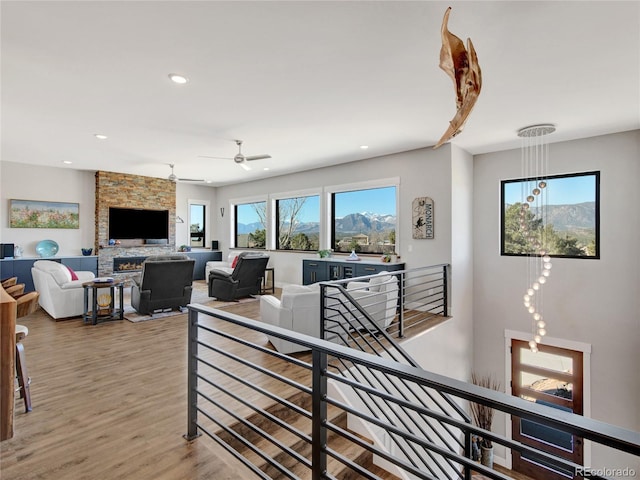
(423, 218)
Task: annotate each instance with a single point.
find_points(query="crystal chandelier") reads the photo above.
(533, 219)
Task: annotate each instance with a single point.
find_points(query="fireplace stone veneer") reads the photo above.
(131, 191)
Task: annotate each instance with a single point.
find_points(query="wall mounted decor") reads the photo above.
(422, 218)
(38, 214)
(462, 66)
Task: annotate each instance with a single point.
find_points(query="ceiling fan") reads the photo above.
(240, 158)
(174, 178)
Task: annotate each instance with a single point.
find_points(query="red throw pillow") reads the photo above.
(74, 276)
(235, 261)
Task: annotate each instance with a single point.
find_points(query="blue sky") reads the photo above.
(379, 200)
(560, 191)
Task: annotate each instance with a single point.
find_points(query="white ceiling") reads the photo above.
(305, 81)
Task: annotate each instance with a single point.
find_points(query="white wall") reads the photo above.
(461, 300)
(31, 182)
(591, 301)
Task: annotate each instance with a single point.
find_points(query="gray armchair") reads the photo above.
(165, 283)
(243, 281)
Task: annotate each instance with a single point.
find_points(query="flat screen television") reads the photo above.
(128, 223)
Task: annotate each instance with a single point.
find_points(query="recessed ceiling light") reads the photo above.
(177, 78)
(266, 168)
(364, 147)
(67, 162)
(100, 136)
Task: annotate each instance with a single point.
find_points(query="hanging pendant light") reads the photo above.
(535, 195)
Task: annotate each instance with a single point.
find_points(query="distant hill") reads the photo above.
(571, 217)
(349, 224)
(365, 222)
(249, 227)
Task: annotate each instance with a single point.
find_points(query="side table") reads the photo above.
(103, 305)
(268, 284)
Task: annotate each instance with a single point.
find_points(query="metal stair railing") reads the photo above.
(350, 321)
(279, 415)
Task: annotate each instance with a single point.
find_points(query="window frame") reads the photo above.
(330, 193)
(274, 217)
(234, 220)
(503, 211)
(206, 204)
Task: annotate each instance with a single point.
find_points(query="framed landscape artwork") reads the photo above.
(40, 214)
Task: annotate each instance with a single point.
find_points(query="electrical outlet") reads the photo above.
(410, 248)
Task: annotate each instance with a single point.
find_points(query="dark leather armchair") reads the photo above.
(245, 280)
(165, 283)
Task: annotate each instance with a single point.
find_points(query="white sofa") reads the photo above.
(224, 265)
(378, 297)
(297, 310)
(60, 296)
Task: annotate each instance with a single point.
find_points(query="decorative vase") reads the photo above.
(104, 300)
(87, 251)
(486, 456)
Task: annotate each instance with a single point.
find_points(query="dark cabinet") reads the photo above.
(322, 269)
(313, 271)
(201, 259)
(21, 267)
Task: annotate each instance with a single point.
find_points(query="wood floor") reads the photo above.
(109, 402)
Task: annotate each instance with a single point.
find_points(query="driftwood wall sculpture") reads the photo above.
(462, 66)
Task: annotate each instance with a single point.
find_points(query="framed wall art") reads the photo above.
(422, 218)
(41, 214)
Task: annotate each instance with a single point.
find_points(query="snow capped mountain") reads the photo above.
(353, 223)
(361, 223)
(372, 216)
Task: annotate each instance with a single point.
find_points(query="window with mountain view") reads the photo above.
(364, 220)
(569, 225)
(250, 225)
(298, 223)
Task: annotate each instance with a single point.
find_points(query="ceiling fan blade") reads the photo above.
(257, 157)
(245, 166)
(217, 158)
(191, 179)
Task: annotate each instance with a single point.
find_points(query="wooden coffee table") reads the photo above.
(103, 306)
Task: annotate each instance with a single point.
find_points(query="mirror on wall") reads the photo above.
(197, 226)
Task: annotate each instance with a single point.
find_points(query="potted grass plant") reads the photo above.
(483, 416)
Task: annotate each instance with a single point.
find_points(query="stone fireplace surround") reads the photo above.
(130, 191)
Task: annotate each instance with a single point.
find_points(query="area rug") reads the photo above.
(200, 295)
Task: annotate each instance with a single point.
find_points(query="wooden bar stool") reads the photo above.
(21, 367)
(15, 290)
(8, 282)
(27, 304)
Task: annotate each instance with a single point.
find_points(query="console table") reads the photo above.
(326, 269)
